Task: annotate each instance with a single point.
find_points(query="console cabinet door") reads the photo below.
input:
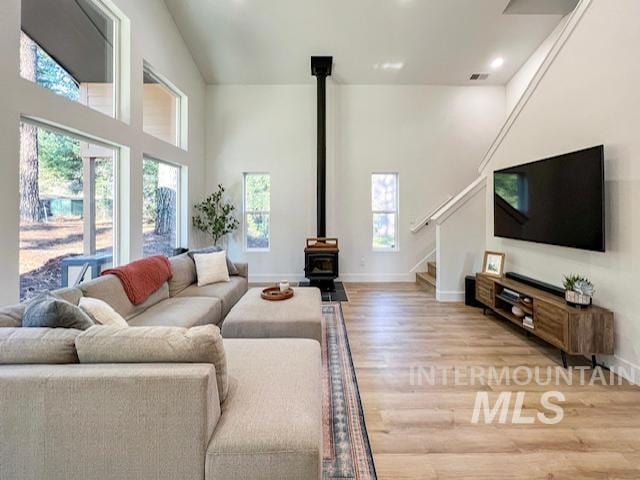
(484, 290)
(551, 323)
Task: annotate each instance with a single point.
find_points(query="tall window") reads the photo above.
(161, 108)
(257, 206)
(160, 207)
(67, 205)
(384, 208)
(70, 48)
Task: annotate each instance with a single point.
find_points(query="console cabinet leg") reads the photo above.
(563, 355)
(594, 362)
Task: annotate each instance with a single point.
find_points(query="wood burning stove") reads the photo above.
(321, 262)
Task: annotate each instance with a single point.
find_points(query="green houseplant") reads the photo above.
(215, 215)
(578, 290)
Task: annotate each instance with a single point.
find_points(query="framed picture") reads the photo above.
(493, 263)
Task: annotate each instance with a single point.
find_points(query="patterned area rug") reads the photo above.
(347, 453)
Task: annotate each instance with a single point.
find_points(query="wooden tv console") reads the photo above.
(576, 331)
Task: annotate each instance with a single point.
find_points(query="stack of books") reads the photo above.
(527, 321)
(510, 294)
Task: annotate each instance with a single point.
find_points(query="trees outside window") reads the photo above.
(67, 204)
(384, 207)
(257, 210)
(160, 207)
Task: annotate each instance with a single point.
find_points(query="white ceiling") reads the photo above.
(438, 41)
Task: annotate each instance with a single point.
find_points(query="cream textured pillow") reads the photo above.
(211, 267)
(101, 312)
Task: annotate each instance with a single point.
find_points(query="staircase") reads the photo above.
(428, 278)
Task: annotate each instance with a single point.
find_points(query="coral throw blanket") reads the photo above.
(142, 277)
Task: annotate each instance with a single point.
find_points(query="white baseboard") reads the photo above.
(377, 277)
(346, 277)
(275, 277)
(626, 369)
(453, 296)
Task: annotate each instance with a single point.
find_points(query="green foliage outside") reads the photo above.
(60, 163)
(149, 189)
(52, 76)
(506, 187)
(258, 199)
(215, 215)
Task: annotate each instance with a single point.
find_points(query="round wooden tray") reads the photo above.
(274, 294)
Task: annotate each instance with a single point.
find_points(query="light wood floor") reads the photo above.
(425, 431)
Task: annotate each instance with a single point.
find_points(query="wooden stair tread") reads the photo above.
(425, 278)
(432, 269)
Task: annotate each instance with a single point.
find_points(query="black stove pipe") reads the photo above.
(321, 69)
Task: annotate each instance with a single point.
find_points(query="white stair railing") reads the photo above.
(427, 218)
(456, 202)
(424, 259)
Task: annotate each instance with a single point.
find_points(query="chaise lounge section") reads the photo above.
(68, 411)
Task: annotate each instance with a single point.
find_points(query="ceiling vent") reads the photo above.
(479, 76)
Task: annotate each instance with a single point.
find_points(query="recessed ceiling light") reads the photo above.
(497, 62)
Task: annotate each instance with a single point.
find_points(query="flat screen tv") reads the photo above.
(558, 200)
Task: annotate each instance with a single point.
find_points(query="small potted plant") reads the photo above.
(214, 216)
(578, 290)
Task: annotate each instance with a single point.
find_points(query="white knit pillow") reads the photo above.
(101, 312)
(211, 267)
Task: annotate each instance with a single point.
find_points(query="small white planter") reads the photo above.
(578, 299)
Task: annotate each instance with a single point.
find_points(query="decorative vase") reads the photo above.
(577, 299)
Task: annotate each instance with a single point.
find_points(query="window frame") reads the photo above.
(117, 19)
(245, 212)
(396, 212)
(181, 103)
(117, 169)
(179, 215)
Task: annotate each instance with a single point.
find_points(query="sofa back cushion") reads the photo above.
(11, 315)
(202, 344)
(70, 294)
(38, 345)
(184, 273)
(109, 289)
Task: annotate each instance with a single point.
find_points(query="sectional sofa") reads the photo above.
(65, 414)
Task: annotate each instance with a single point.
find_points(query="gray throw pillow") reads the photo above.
(52, 312)
(230, 265)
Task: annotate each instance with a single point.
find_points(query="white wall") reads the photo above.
(154, 38)
(433, 136)
(520, 80)
(589, 96)
(460, 240)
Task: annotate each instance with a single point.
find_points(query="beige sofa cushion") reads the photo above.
(184, 273)
(70, 294)
(229, 292)
(11, 315)
(298, 317)
(109, 289)
(106, 344)
(38, 345)
(271, 423)
(180, 312)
